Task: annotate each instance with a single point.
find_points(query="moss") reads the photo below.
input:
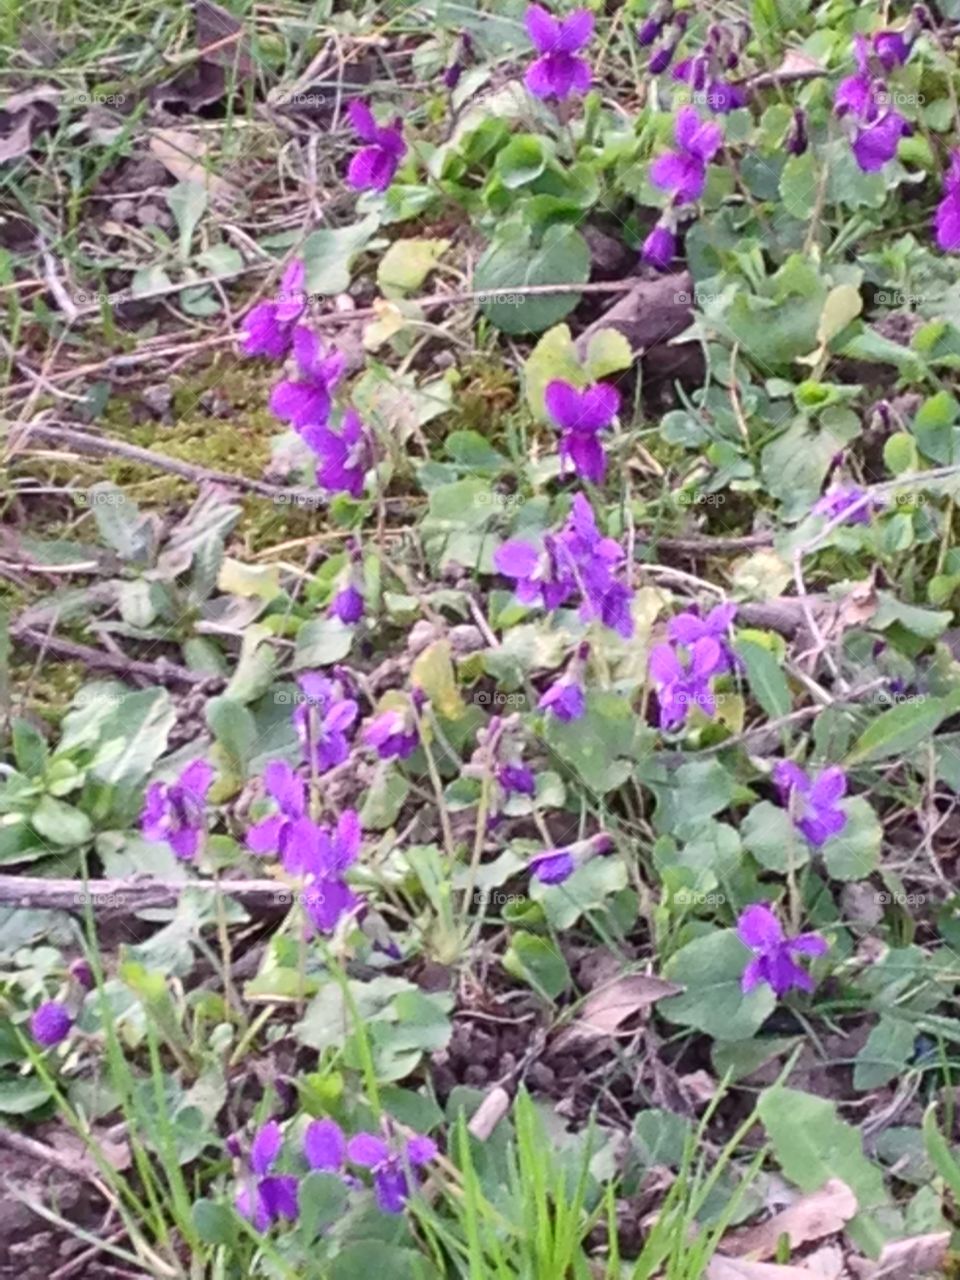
(52, 687)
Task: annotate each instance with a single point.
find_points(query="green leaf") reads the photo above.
(407, 263)
(769, 834)
(537, 961)
(767, 682)
(595, 744)
(842, 305)
(521, 161)
(798, 186)
(120, 523)
(900, 453)
(711, 968)
(902, 728)
(854, 854)
(188, 203)
(322, 642)
(515, 261)
(433, 672)
(19, 1095)
(328, 255)
(235, 731)
(884, 1056)
(385, 798)
(133, 737)
(61, 823)
(214, 1222)
(812, 1144)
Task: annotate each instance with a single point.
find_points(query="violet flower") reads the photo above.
(688, 627)
(660, 247)
(874, 145)
(839, 499)
(813, 803)
(322, 721)
(390, 1166)
(595, 560)
(289, 833)
(174, 812)
(516, 779)
(374, 166)
(267, 1197)
(558, 72)
(557, 865)
(891, 48)
(796, 141)
(580, 415)
(684, 172)
(305, 401)
(541, 576)
(347, 604)
(855, 94)
(947, 220)
(346, 455)
(684, 682)
(760, 930)
(268, 327)
(50, 1024)
(650, 30)
(327, 896)
(324, 1146)
(564, 699)
(393, 733)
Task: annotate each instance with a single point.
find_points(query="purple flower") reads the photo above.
(682, 684)
(580, 415)
(322, 721)
(693, 72)
(324, 1146)
(393, 734)
(684, 172)
(82, 975)
(374, 166)
(50, 1023)
(876, 144)
(796, 142)
(174, 811)
(516, 779)
(289, 833)
(390, 1167)
(813, 804)
(891, 48)
(541, 576)
(724, 97)
(947, 221)
(565, 699)
(687, 628)
(595, 560)
(305, 402)
(660, 247)
(649, 31)
(345, 455)
(267, 328)
(347, 604)
(855, 94)
(839, 499)
(661, 58)
(557, 865)
(760, 930)
(327, 896)
(267, 1197)
(552, 867)
(558, 72)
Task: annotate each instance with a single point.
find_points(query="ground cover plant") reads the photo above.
(479, 683)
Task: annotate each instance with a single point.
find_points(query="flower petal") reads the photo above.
(368, 1150)
(324, 1145)
(758, 927)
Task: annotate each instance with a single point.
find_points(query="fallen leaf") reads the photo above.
(182, 154)
(905, 1259)
(17, 143)
(811, 1217)
(826, 1263)
(723, 1268)
(215, 27)
(796, 63)
(606, 1008)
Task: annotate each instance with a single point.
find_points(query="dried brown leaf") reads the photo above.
(905, 1259)
(182, 154)
(724, 1268)
(811, 1217)
(607, 1008)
